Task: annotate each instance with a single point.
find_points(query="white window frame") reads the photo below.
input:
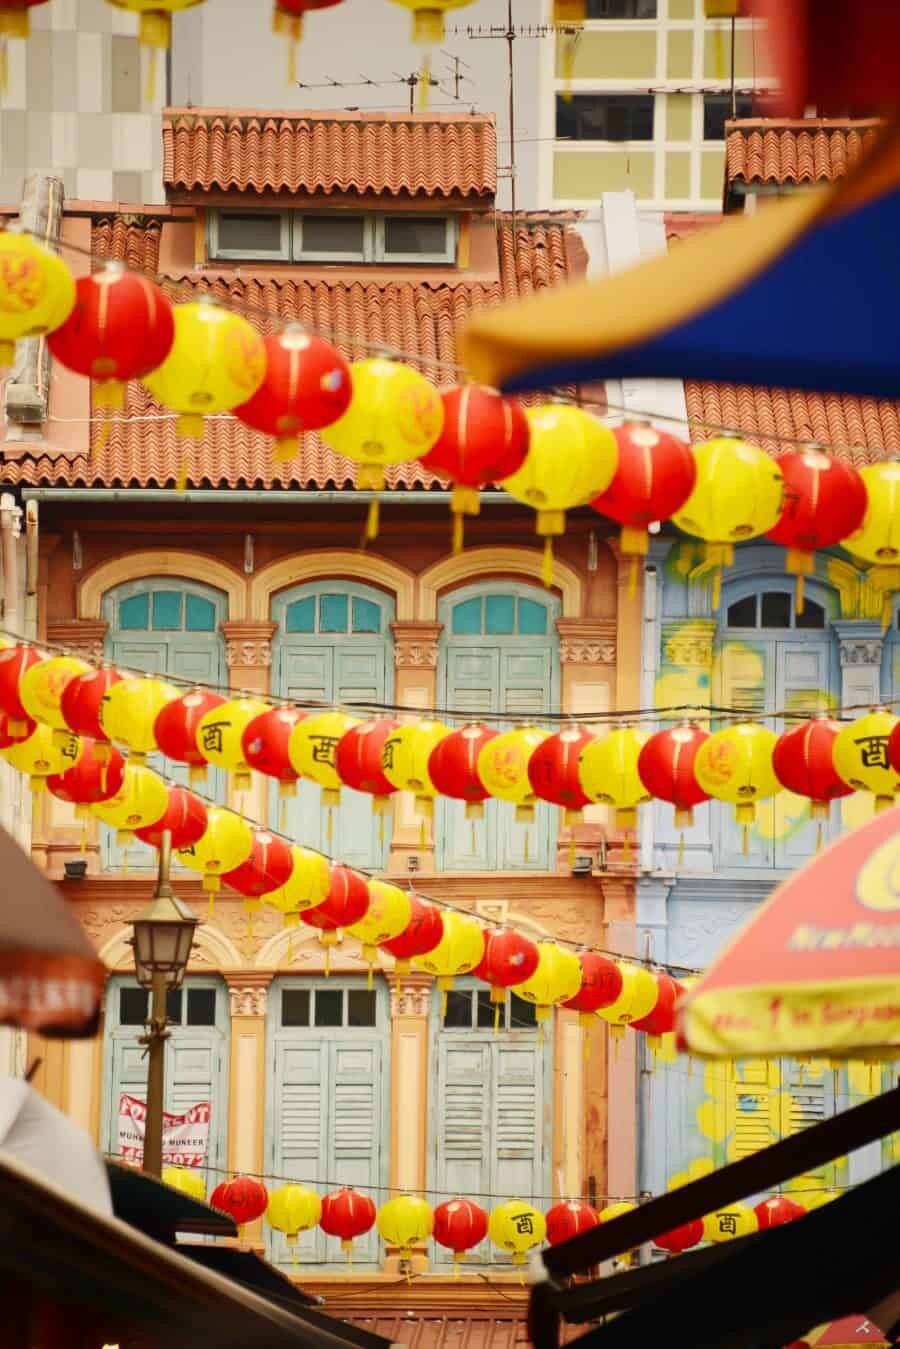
(448, 254)
(216, 253)
(301, 254)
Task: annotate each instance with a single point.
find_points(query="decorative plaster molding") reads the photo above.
(585, 641)
(411, 996)
(162, 562)
(861, 650)
(249, 643)
(332, 564)
(416, 645)
(690, 644)
(83, 637)
(474, 564)
(248, 993)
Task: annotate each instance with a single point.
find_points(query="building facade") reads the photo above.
(254, 579)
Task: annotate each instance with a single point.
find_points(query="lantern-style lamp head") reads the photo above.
(164, 931)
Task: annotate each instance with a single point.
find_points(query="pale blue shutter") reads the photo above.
(299, 1125)
(357, 1086)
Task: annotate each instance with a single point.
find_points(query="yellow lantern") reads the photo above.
(517, 1227)
(388, 915)
(43, 755)
(608, 773)
(816, 1198)
(312, 749)
(405, 1222)
(619, 1210)
(736, 1220)
(129, 710)
(217, 361)
(42, 686)
(220, 736)
(503, 768)
(185, 1179)
(226, 843)
(637, 998)
(37, 293)
(404, 762)
(556, 979)
(458, 952)
(860, 756)
(877, 540)
(571, 459)
(142, 799)
(735, 765)
(293, 1209)
(306, 888)
(395, 415)
(738, 495)
(428, 18)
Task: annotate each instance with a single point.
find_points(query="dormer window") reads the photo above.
(331, 236)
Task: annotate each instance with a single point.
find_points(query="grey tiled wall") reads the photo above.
(75, 106)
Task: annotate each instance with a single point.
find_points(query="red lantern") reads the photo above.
(346, 904)
(243, 1199)
(568, 1220)
(81, 700)
(509, 959)
(14, 661)
(661, 1021)
(777, 1211)
(307, 386)
(484, 440)
(894, 748)
(666, 768)
(654, 478)
(357, 761)
(175, 729)
(94, 778)
(681, 1238)
(459, 1225)
(553, 771)
(422, 934)
(121, 328)
(347, 1214)
(802, 759)
(453, 767)
(825, 500)
(185, 819)
(601, 984)
(24, 731)
(265, 744)
(287, 20)
(268, 868)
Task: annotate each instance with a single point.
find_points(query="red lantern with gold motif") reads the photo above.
(94, 778)
(509, 959)
(655, 476)
(81, 700)
(422, 934)
(346, 904)
(802, 759)
(453, 767)
(307, 386)
(120, 329)
(485, 439)
(266, 869)
(553, 771)
(681, 1238)
(569, 1219)
(265, 744)
(777, 1211)
(185, 819)
(176, 726)
(244, 1199)
(825, 500)
(459, 1225)
(14, 661)
(601, 984)
(661, 1021)
(347, 1214)
(666, 768)
(358, 761)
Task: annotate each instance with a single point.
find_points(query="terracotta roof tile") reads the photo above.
(130, 239)
(813, 150)
(422, 154)
(862, 431)
(415, 317)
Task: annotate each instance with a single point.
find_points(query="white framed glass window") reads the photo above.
(415, 238)
(335, 236)
(250, 234)
(331, 236)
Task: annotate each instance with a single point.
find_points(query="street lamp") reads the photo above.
(163, 934)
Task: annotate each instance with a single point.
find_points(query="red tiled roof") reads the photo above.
(413, 317)
(862, 431)
(812, 150)
(414, 155)
(130, 239)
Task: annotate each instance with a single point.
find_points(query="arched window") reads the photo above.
(499, 651)
(334, 645)
(166, 626)
(769, 657)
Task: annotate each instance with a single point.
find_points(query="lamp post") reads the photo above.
(163, 934)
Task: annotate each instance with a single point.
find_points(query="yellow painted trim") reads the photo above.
(477, 564)
(162, 562)
(200, 236)
(329, 564)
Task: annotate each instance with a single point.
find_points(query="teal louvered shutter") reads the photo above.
(357, 1087)
(299, 1124)
(518, 1109)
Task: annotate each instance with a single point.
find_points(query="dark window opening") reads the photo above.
(777, 607)
(605, 117)
(742, 614)
(411, 234)
(813, 616)
(717, 110)
(201, 1006)
(251, 233)
(295, 1007)
(621, 9)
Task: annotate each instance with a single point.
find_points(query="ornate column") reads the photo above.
(410, 1004)
(415, 687)
(587, 653)
(248, 997)
(861, 643)
(248, 654)
(83, 637)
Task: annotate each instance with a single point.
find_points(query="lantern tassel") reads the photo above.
(327, 962)
(632, 576)
(745, 840)
(373, 520)
(456, 1265)
(571, 850)
(422, 832)
(329, 824)
(798, 595)
(547, 563)
(249, 926)
(586, 1037)
(496, 1017)
(83, 848)
(459, 529)
(425, 81)
(716, 588)
(209, 907)
(282, 818)
(819, 837)
(4, 67)
(370, 981)
(150, 86)
(525, 848)
(443, 1004)
(679, 861)
(290, 950)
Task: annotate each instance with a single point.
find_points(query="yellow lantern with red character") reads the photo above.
(404, 762)
(517, 1227)
(735, 765)
(44, 754)
(37, 292)
(395, 415)
(312, 750)
(388, 915)
(877, 541)
(306, 888)
(861, 756)
(503, 768)
(637, 998)
(220, 735)
(226, 843)
(142, 799)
